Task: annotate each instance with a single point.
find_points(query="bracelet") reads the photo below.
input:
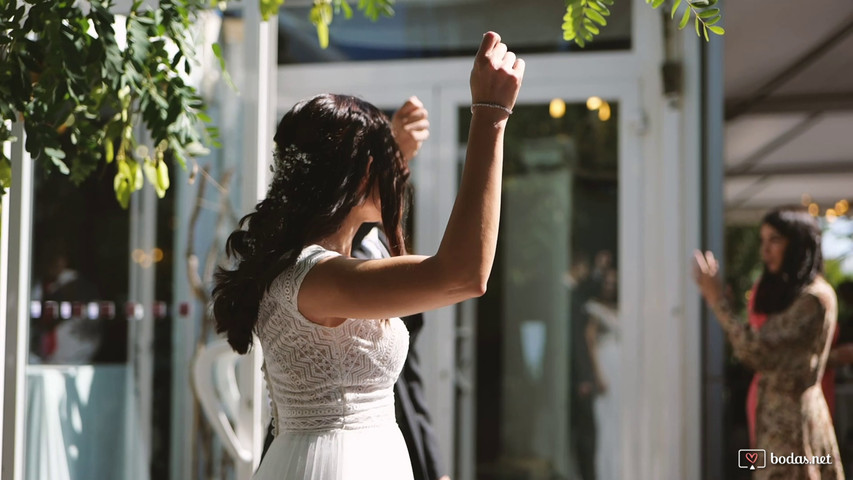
(491, 105)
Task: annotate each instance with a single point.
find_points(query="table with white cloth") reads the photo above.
(80, 424)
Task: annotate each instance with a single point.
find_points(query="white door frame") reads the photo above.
(15, 253)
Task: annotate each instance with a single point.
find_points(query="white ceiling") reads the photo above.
(789, 103)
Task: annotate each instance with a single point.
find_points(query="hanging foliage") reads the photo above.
(85, 94)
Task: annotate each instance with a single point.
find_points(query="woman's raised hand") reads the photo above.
(497, 73)
(705, 270)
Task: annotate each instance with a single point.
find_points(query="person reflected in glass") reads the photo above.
(333, 342)
(602, 336)
(583, 380)
(786, 341)
(62, 337)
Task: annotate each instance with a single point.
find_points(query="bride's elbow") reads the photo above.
(480, 288)
(466, 288)
(476, 286)
(466, 281)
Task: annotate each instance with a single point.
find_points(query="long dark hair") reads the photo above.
(802, 262)
(324, 147)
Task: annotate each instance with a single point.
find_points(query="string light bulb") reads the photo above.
(594, 103)
(557, 108)
(814, 209)
(604, 112)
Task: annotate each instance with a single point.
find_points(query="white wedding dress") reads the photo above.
(331, 389)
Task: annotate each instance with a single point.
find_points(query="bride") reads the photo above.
(329, 365)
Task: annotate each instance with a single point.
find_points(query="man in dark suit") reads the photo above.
(410, 127)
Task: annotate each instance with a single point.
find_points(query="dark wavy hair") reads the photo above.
(803, 260)
(324, 147)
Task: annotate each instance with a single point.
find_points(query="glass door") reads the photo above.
(543, 359)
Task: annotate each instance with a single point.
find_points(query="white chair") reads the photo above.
(214, 380)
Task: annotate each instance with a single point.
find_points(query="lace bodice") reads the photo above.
(325, 378)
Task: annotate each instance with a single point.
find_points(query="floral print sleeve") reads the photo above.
(769, 347)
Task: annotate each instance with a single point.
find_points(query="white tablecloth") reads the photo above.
(80, 423)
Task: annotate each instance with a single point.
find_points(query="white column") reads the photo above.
(16, 238)
(657, 393)
(259, 95)
(712, 224)
(4, 261)
(691, 201)
(184, 334)
(143, 236)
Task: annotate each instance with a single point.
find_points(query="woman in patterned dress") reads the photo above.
(789, 350)
(333, 342)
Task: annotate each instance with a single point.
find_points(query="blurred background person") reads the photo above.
(602, 337)
(71, 340)
(786, 342)
(582, 371)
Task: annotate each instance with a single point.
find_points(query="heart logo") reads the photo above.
(752, 457)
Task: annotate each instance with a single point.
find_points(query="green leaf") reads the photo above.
(595, 16)
(705, 31)
(327, 12)
(321, 16)
(717, 30)
(217, 51)
(109, 149)
(575, 13)
(697, 27)
(5, 173)
(122, 189)
(270, 8)
(713, 20)
(196, 149)
(709, 13)
(657, 3)
(675, 5)
(158, 176)
(597, 5)
(138, 179)
(163, 176)
(590, 27)
(54, 153)
(684, 19)
(56, 156)
(347, 9)
(151, 174)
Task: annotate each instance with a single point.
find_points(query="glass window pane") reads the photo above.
(424, 29)
(548, 330)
